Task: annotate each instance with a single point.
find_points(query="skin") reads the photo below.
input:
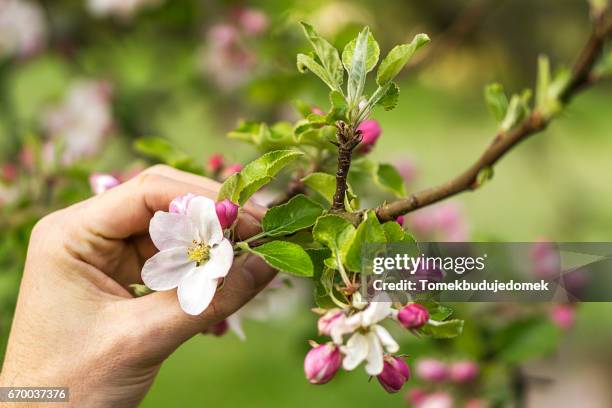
(76, 323)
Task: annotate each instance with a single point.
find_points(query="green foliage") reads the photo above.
(285, 256)
(298, 213)
(526, 339)
(279, 136)
(390, 97)
(372, 54)
(322, 183)
(496, 101)
(443, 330)
(241, 186)
(397, 58)
(368, 232)
(550, 87)
(165, 152)
(327, 55)
(388, 178)
(335, 233)
(395, 233)
(358, 68)
(518, 110)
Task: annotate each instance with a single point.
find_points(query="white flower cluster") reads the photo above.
(22, 28)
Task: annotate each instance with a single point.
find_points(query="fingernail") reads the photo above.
(257, 271)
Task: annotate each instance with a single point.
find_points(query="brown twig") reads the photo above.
(582, 76)
(348, 139)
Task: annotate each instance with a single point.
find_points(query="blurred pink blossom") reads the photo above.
(253, 21)
(563, 316)
(9, 171)
(545, 259)
(440, 222)
(407, 168)
(464, 371)
(22, 28)
(231, 169)
(438, 399)
(430, 369)
(120, 8)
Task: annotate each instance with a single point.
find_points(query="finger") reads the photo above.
(161, 316)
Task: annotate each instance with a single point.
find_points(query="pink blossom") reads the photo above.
(432, 370)
(329, 320)
(321, 363)
(227, 213)
(546, 260)
(463, 371)
(442, 222)
(223, 35)
(9, 171)
(407, 168)
(413, 316)
(415, 396)
(124, 9)
(26, 158)
(563, 316)
(22, 28)
(253, 21)
(394, 375)
(317, 111)
(215, 163)
(101, 182)
(438, 399)
(400, 220)
(370, 130)
(179, 204)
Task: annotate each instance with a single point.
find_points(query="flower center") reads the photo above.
(198, 252)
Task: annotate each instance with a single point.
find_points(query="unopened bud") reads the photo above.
(322, 363)
(226, 212)
(394, 375)
(400, 220)
(432, 370)
(370, 131)
(563, 316)
(463, 371)
(215, 163)
(413, 316)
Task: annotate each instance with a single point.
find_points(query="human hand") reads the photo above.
(76, 324)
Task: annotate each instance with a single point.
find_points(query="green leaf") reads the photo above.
(247, 131)
(284, 256)
(518, 110)
(327, 54)
(443, 330)
(483, 176)
(388, 178)
(397, 58)
(357, 69)
(395, 233)
(318, 257)
(334, 232)
(322, 183)
(390, 98)
(241, 186)
(496, 101)
(437, 311)
(298, 213)
(161, 150)
(526, 339)
(339, 106)
(372, 53)
(306, 63)
(368, 232)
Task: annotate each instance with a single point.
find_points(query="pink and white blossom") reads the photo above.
(430, 369)
(193, 255)
(101, 182)
(438, 399)
(463, 371)
(329, 320)
(321, 363)
(368, 340)
(441, 222)
(179, 204)
(120, 8)
(22, 28)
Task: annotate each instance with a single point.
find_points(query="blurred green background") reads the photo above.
(171, 77)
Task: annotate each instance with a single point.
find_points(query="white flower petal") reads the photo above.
(355, 351)
(220, 262)
(203, 214)
(196, 291)
(169, 230)
(166, 269)
(376, 312)
(386, 339)
(375, 355)
(235, 324)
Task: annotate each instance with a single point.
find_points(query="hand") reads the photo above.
(77, 325)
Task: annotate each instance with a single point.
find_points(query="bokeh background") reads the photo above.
(82, 81)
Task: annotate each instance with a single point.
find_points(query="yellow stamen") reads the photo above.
(198, 252)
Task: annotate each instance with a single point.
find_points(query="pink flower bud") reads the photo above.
(215, 163)
(415, 396)
(100, 182)
(563, 316)
(9, 171)
(231, 169)
(463, 371)
(439, 399)
(179, 204)
(227, 213)
(400, 220)
(545, 259)
(317, 111)
(329, 320)
(253, 21)
(370, 130)
(223, 35)
(322, 363)
(413, 316)
(432, 370)
(395, 373)
(218, 329)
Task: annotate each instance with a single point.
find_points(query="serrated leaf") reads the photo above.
(357, 70)
(318, 257)
(298, 213)
(397, 58)
(334, 232)
(247, 131)
(368, 232)
(256, 174)
(390, 98)
(372, 53)
(388, 178)
(395, 233)
(160, 149)
(443, 330)
(339, 107)
(285, 256)
(322, 183)
(496, 100)
(327, 54)
(306, 63)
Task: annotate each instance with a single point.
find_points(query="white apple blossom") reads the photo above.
(22, 28)
(369, 339)
(193, 257)
(82, 121)
(120, 8)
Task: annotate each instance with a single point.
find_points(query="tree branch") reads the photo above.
(582, 76)
(348, 139)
